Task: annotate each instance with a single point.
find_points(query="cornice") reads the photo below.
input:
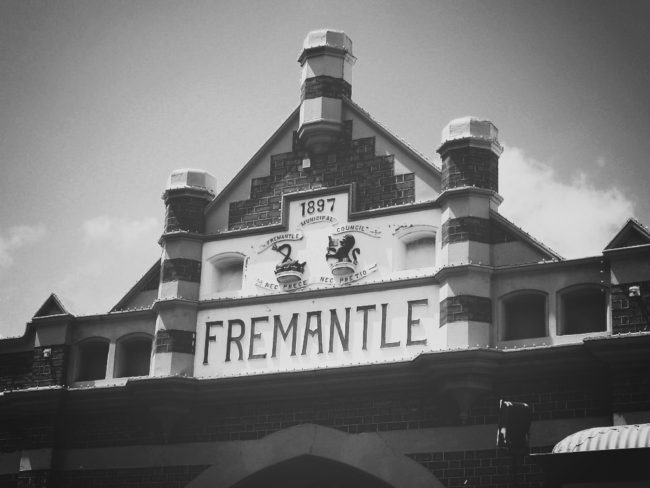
(63, 318)
(621, 349)
(164, 304)
(462, 191)
(545, 265)
(180, 235)
(631, 251)
(471, 142)
(319, 293)
(446, 272)
(145, 312)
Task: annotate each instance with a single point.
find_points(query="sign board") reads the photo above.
(347, 330)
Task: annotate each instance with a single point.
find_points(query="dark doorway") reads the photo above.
(311, 472)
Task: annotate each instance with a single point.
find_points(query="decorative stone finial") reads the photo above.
(471, 127)
(326, 38)
(187, 193)
(194, 179)
(480, 131)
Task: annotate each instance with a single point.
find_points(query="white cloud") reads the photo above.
(17, 237)
(116, 253)
(572, 217)
(123, 233)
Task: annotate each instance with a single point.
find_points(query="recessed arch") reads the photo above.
(365, 454)
(416, 247)
(227, 271)
(582, 308)
(91, 358)
(524, 315)
(133, 355)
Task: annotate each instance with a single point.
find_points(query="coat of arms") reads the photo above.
(289, 270)
(345, 253)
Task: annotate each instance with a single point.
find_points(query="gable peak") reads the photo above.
(633, 233)
(52, 306)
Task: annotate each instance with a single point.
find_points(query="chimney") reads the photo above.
(470, 153)
(187, 193)
(326, 60)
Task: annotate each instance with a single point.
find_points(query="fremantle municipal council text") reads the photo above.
(258, 337)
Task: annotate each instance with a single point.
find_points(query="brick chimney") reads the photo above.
(326, 60)
(470, 153)
(187, 193)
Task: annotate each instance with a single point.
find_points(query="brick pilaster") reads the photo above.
(170, 340)
(325, 86)
(464, 308)
(181, 269)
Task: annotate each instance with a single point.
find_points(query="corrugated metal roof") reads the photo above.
(605, 438)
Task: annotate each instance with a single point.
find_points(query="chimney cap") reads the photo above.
(470, 127)
(326, 38)
(195, 179)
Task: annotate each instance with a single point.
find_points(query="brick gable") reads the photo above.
(351, 162)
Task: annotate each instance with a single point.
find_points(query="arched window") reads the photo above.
(524, 315)
(418, 247)
(132, 356)
(583, 309)
(228, 271)
(92, 359)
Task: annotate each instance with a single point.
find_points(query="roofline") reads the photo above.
(628, 250)
(240, 174)
(525, 235)
(417, 156)
(631, 222)
(58, 301)
(133, 290)
(562, 263)
(119, 314)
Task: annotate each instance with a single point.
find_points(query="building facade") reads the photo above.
(342, 313)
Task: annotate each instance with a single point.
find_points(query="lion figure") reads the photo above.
(341, 249)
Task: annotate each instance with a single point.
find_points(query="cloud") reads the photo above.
(17, 237)
(117, 252)
(573, 217)
(123, 233)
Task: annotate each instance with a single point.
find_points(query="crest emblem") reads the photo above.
(289, 270)
(345, 253)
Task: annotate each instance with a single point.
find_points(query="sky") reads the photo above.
(101, 100)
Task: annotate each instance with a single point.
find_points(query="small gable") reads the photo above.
(143, 293)
(514, 246)
(632, 234)
(51, 306)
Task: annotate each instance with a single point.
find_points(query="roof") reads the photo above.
(292, 119)
(525, 236)
(52, 306)
(151, 276)
(415, 154)
(633, 233)
(605, 438)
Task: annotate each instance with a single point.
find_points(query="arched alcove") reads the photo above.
(311, 472)
(312, 456)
